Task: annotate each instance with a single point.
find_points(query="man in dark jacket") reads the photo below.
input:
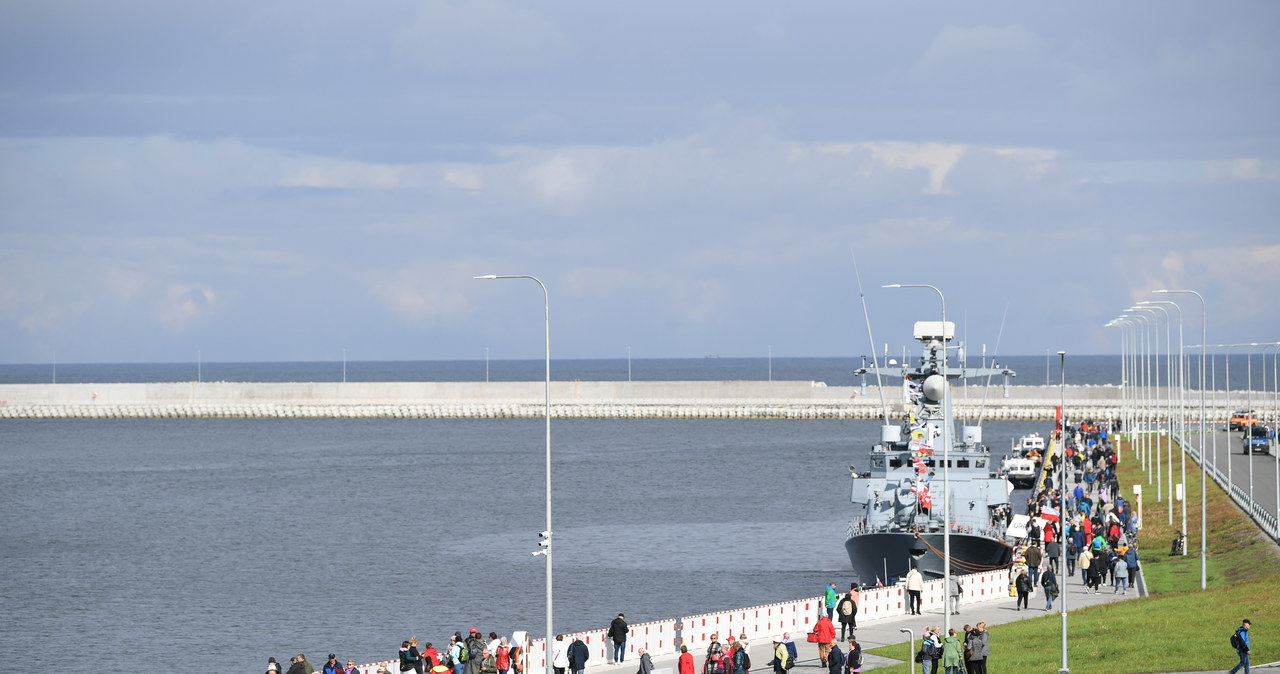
(578, 655)
(618, 632)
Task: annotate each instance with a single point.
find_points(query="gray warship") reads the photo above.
(900, 498)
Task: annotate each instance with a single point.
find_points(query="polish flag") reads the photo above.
(1050, 514)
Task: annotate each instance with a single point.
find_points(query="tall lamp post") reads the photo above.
(1168, 381)
(1062, 515)
(946, 446)
(545, 543)
(1147, 416)
(1182, 415)
(1204, 478)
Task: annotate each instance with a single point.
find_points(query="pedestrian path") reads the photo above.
(886, 631)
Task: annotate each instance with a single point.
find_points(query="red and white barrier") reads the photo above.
(661, 637)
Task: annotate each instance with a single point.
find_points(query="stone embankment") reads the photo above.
(504, 400)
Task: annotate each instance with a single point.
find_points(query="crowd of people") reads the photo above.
(472, 654)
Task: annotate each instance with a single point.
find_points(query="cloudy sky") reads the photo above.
(284, 180)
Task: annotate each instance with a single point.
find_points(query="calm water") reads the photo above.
(212, 544)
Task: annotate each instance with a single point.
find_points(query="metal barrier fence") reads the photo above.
(1264, 519)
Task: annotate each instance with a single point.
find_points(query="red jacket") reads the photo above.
(825, 630)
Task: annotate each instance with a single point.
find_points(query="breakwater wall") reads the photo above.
(569, 399)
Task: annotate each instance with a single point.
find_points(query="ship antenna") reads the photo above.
(982, 409)
(867, 319)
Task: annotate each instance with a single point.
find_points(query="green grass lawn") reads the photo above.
(1179, 627)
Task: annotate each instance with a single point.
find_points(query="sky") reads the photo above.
(286, 180)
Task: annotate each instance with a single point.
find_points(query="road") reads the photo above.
(1256, 474)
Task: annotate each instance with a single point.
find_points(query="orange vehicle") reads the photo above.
(1240, 419)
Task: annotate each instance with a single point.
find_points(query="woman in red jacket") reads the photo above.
(686, 661)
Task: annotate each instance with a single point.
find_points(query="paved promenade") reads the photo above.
(874, 634)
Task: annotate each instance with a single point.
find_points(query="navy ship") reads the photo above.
(901, 497)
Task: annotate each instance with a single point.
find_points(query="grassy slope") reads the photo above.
(1179, 627)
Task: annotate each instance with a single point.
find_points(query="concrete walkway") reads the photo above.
(888, 631)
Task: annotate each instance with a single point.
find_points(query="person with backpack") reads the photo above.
(1240, 640)
(930, 649)
(792, 653)
(457, 653)
(781, 657)
(848, 610)
(853, 659)
(739, 663)
(835, 660)
(474, 646)
(1049, 581)
(646, 663)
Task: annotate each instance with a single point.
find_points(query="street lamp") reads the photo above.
(1062, 505)
(1204, 479)
(1168, 380)
(1146, 377)
(946, 445)
(1182, 414)
(545, 543)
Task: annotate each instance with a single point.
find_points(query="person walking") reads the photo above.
(1022, 584)
(1034, 556)
(826, 635)
(1243, 647)
(953, 593)
(1049, 581)
(646, 663)
(618, 632)
(831, 598)
(915, 585)
(1122, 576)
(684, 665)
(559, 654)
(781, 656)
(835, 660)
(737, 659)
(579, 654)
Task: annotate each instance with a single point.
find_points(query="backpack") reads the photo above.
(464, 653)
(788, 663)
(746, 661)
(1236, 642)
(475, 648)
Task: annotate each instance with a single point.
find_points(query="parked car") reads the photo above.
(1242, 418)
(1256, 438)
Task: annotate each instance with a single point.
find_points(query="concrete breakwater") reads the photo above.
(569, 399)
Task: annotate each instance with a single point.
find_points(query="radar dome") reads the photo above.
(934, 386)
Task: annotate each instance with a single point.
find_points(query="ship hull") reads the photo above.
(872, 553)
